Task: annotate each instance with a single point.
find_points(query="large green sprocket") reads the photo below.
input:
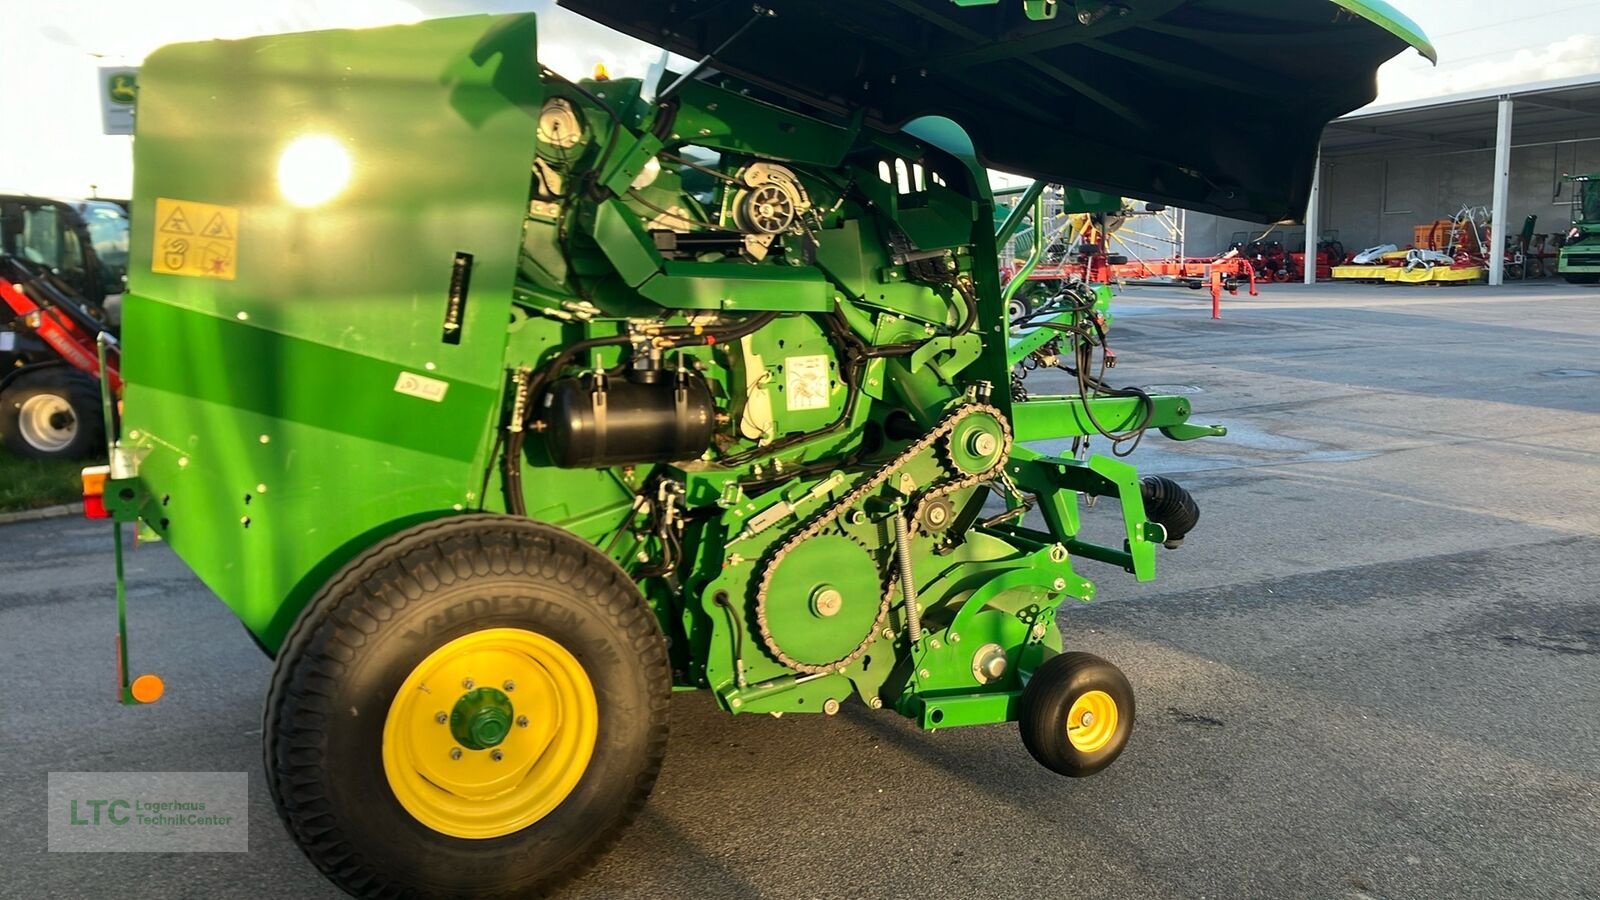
(803, 619)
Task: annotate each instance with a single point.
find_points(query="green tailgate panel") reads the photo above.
(314, 401)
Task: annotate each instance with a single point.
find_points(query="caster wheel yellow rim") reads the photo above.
(1092, 721)
(489, 733)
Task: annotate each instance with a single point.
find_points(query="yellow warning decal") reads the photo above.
(196, 239)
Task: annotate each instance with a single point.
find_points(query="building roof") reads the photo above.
(1543, 111)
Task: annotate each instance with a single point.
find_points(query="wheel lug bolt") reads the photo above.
(509, 685)
(467, 683)
(522, 721)
(497, 756)
(441, 718)
(455, 753)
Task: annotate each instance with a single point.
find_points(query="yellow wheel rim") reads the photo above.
(530, 747)
(1092, 721)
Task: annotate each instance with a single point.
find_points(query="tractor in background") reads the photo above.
(1579, 258)
(63, 265)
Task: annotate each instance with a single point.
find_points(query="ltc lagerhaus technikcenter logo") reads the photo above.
(148, 812)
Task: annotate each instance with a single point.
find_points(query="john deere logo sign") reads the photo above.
(119, 91)
(120, 87)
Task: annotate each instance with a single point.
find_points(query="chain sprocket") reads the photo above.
(838, 508)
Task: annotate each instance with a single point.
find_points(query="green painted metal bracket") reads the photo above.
(933, 711)
(1036, 338)
(1045, 418)
(1040, 10)
(629, 163)
(125, 693)
(1014, 218)
(1054, 480)
(1189, 432)
(947, 356)
(1035, 253)
(625, 243)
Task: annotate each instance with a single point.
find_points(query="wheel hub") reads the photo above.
(1092, 721)
(481, 718)
(46, 422)
(488, 768)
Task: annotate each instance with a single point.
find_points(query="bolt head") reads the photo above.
(509, 686)
(955, 638)
(934, 643)
(984, 444)
(467, 683)
(496, 755)
(876, 703)
(1087, 719)
(924, 673)
(455, 753)
(938, 515)
(1059, 584)
(830, 707)
(522, 721)
(441, 718)
(995, 667)
(827, 602)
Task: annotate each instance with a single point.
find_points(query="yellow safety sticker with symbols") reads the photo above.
(196, 239)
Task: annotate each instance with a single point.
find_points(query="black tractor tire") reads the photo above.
(53, 413)
(1581, 277)
(1048, 702)
(362, 636)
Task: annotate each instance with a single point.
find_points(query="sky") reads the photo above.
(49, 95)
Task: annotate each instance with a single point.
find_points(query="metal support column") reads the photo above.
(1502, 178)
(1313, 219)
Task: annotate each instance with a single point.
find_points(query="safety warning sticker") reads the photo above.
(805, 382)
(196, 239)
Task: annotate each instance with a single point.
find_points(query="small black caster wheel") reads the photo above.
(1077, 714)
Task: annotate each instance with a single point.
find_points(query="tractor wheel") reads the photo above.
(476, 707)
(52, 413)
(1077, 714)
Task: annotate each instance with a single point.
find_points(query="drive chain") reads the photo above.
(941, 430)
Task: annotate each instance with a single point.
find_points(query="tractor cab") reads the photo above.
(1579, 262)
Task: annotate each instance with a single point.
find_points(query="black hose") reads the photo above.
(1170, 505)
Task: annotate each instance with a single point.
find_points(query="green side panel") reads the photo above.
(738, 286)
(292, 415)
(625, 243)
(712, 116)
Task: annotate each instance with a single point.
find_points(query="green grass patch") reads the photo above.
(32, 483)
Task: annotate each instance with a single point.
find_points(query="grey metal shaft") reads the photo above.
(908, 587)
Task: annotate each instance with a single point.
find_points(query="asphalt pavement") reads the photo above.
(1372, 671)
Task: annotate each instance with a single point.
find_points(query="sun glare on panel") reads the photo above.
(313, 169)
